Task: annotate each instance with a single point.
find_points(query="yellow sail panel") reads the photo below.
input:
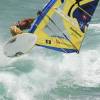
(73, 29)
(55, 43)
(75, 34)
(76, 17)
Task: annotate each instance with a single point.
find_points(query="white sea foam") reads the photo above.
(95, 27)
(85, 68)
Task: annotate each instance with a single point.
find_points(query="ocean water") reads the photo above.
(44, 74)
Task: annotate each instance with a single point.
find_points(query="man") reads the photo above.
(21, 25)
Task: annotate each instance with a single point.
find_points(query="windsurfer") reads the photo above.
(20, 26)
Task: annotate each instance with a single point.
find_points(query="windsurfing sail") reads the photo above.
(79, 14)
(75, 16)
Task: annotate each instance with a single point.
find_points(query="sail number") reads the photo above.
(48, 41)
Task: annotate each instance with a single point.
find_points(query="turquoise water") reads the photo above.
(46, 74)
